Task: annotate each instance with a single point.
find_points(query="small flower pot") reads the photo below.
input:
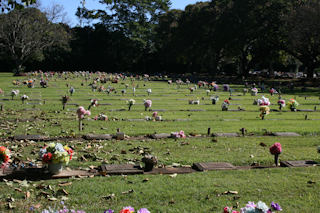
(55, 168)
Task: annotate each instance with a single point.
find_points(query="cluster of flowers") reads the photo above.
(81, 112)
(147, 104)
(251, 207)
(225, 105)
(282, 103)
(56, 153)
(101, 117)
(4, 155)
(264, 101)
(15, 92)
(128, 209)
(178, 134)
(196, 102)
(254, 91)
(293, 104)
(276, 149)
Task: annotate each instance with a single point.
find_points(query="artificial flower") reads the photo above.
(275, 206)
(276, 149)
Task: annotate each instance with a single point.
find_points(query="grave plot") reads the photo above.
(212, 166)
(301, 163)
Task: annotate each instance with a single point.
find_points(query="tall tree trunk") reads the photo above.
(310, 71)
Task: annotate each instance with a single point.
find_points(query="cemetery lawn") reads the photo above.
(296, 190)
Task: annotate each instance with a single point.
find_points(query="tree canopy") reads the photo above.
(212, 37)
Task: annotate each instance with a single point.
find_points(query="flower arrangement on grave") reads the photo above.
(131, 102)
(93, 103)
(16, 83)
(4, 156)
(101, 117)
(191, 89)
(56, 153)
(293, 104)
(272, 91)
(254, 91)
(196, 102)
(281, 103)
(43, 83)
(225, 105)
(147, 104)
(14, 93)
(276, 150)
(263, 101)
(24, 97)
(71, 90)
(81, 112)
(149, 91)
(154, 114)
(178, 134)
(208, 92)
(215, 99)
(264, 110)
(156, 117)
(64, 100)
(251, 207)
(150, 162)
(215, 87)
(101, 89)
(169, 81)
(226, 87)
(30, 83)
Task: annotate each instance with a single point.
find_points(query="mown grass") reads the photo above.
(197, 192)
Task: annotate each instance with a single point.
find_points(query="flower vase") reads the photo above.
(55, 168)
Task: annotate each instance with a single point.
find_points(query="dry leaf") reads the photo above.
(110, 196)
(65, 184)
(173, 175)
(27, 195)
(52, 199)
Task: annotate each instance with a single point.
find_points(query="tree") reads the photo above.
(133, 20)
(303, 32)
(25, 33)
(7, 5)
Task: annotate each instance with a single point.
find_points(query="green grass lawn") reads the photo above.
(197, 192)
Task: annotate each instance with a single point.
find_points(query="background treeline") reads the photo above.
(228, 37)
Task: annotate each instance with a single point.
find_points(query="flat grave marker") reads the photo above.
(196, 110)
(300, 163)
(98, 137)
(30, 137)
(160, 135)
(286, 134)
(159, 110)
(232, 134)
(120, 169)
(213, 166)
